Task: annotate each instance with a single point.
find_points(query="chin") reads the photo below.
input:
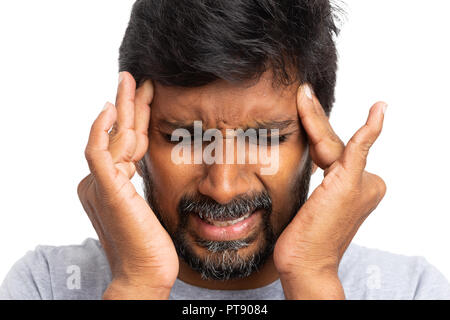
(226, 260)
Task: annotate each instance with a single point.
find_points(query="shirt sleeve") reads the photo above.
(28, 279)
(432, 284)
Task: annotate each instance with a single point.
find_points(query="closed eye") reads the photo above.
(168, 138)
(272, 140)
(261, 139)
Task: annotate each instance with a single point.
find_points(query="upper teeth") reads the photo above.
(228, 222)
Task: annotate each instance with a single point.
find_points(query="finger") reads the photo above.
(122, 145)
(122, 137)
(357, 149)
(125, 101)
(97, 154)
(143, 99)
(325, 145)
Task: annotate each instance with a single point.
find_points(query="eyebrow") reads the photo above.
(273, 124)
(267, 124)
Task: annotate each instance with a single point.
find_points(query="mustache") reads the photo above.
(207, 207)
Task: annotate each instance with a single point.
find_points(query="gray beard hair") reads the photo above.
(225, 261)
(229, 264)
(220, 246)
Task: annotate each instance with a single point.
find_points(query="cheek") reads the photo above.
(282, 185)
(170, 180)
(166, 173)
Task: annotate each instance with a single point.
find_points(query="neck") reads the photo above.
(264, 276)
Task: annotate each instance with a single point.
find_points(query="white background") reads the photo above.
(58, 64)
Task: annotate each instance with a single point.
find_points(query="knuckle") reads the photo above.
(371, 130)
(362, 144)
(89, 154)
(373, 194)
(354, 141)
(84, 185)
(86, 196)
(381, 184)
(84, 188)
(81, 189)
(377, 187)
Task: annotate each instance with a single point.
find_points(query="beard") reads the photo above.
(223, 260)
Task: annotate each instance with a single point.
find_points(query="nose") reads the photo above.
(223, 182)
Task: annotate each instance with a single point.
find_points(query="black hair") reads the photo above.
(190, 43)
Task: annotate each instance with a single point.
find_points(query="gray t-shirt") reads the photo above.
(82, 272)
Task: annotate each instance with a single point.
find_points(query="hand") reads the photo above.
(308, 252)
(141, 254)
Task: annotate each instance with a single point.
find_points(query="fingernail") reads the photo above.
(105, 106)
(120, 77)
(308, 91)
(384, 108)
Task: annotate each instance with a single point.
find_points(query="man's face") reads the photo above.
(180, 193)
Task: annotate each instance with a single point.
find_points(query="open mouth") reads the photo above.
(224, 222)
(225, 228)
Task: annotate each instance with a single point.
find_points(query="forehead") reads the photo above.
(223, 103)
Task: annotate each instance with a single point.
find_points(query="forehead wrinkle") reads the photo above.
(233, 113)
(281, 125)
